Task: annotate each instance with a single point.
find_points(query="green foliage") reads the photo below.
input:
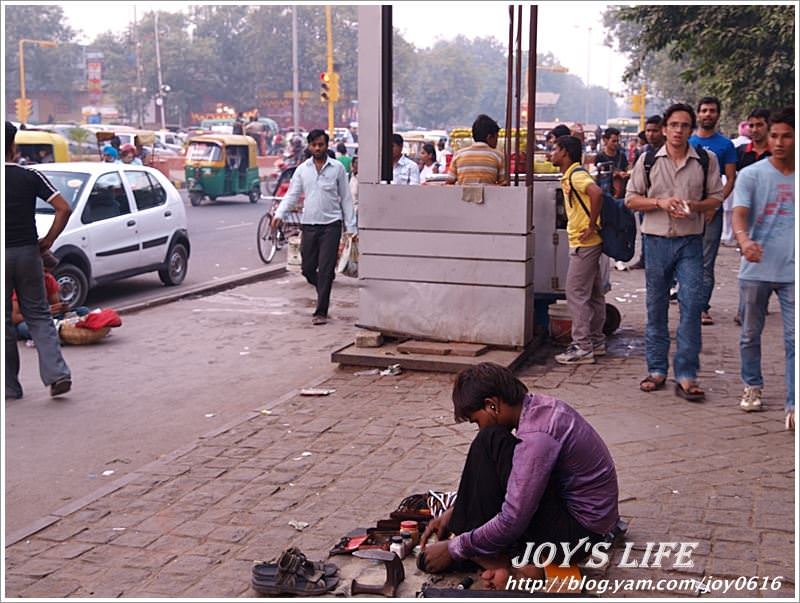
(744, 54)
(45, 68)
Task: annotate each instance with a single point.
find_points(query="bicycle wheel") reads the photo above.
(268, 239)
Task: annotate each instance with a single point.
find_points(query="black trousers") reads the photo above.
(319, 247)
(483, 488)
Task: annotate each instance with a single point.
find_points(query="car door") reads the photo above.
(155, 218)
(108, 231)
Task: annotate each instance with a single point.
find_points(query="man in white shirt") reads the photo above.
(327, 204)
(405, 171)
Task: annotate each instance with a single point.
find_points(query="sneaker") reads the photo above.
(751, 399)
(319, 320)
(673, 294)
(575, 355)
(619, 265)
(62, 386)
(599, 349)
(790, 421)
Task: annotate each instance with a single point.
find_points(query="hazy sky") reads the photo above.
(564, 28)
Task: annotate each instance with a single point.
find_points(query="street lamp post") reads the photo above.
(22, 42)
(160, 96)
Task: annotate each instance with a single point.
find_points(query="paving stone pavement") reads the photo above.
(192, 523)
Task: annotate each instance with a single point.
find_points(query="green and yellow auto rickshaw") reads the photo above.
(36, 146)
(222, 165)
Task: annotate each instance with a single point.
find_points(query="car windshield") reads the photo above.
(69, 184)
(203, 151)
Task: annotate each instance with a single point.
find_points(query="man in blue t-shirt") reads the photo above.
(708, 112)
(763, 223)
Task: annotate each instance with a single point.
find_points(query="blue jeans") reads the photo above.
(754, 297)
(711, 239)
(24, 273)
(678, 258)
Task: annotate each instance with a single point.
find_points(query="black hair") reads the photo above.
(341, 148)
(560, 130)
(609, 132)
(483, 127)
(11, 134)
(430, 150)
(316, 133)
(572, 145)
(783, 116)
(654, 119)
(759, 114)
(642, 136)
(397, 139)
(709, 100)
(674, 108)
(485, 380)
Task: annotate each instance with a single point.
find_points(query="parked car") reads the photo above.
(126, 220)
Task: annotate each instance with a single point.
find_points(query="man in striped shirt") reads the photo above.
(480, 163)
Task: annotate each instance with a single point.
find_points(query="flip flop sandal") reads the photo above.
(657, 384)
(268, 570)
(293, 574)
(692, 394)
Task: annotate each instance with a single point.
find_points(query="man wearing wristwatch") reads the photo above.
(672, 198)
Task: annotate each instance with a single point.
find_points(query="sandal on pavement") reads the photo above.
(691, 394)
(652, 383)
(294, 574)
(705, 319)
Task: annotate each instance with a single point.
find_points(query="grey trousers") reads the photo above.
(24, 274)
(586, 297)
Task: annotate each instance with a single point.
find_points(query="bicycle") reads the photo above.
(269, 239)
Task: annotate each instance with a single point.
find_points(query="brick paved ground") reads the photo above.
(191, 524)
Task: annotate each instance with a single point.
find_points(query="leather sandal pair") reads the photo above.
(294, 574)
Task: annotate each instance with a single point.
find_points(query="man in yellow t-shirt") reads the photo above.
(584, 287)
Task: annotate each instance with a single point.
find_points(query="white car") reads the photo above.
(126, 220)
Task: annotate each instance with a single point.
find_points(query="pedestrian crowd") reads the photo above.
(693, 190)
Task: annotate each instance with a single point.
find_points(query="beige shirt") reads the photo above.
(684, 181)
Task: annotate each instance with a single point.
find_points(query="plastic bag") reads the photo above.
(348, 261)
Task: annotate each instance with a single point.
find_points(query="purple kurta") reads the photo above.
(554, 439)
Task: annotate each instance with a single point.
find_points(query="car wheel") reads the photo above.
(195, 198)
(177, 265)
(72, 284)
(255, 193)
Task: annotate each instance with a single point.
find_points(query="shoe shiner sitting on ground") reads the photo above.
(552, 482)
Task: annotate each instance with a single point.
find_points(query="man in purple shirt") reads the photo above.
(553, 481)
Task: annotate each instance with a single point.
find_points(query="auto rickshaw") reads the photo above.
(35, 146)
(222, 165)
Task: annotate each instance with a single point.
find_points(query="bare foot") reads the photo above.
(496, 578)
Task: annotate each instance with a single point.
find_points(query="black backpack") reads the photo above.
(617, 225)
(650, 159)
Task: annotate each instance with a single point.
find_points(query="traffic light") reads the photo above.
(324, 87)
(24, 107)
(334, 86)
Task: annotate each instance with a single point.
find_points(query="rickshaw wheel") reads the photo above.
(267, 239)
(195, 198)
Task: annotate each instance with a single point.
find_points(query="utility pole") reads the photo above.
(329, 30)
(295, 76)
(588, 71)
(160, 95)
(139, 90)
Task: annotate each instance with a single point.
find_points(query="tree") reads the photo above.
(744, 54)
(45, 68)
